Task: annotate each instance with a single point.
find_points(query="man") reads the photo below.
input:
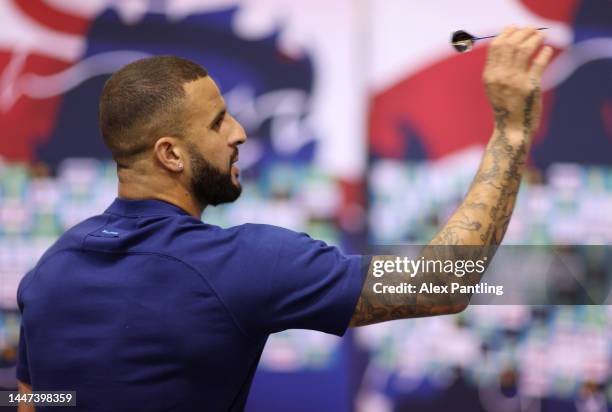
(147, 308)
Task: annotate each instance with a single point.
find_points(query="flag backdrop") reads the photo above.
(364, 126)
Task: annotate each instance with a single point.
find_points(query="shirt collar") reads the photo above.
(144, 207)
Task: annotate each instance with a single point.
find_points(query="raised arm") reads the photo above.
(512, 81)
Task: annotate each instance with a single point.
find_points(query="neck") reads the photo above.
(138, 185)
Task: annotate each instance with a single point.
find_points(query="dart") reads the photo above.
(463, 41)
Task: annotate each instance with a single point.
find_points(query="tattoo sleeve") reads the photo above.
(480, 222)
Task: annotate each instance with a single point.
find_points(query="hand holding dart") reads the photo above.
(463, 41)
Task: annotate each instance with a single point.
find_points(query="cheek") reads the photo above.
(214, 149)
(217, 156)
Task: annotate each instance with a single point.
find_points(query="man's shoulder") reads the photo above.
(179, 237)
(72, 238)
(242, 232)
(254, 235)
(247, 242)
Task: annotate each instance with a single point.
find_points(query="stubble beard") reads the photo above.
(209, 185)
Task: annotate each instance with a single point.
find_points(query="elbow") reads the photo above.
(458, 304)
(439, 310)
(457, 308)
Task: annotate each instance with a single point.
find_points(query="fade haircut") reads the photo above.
(142, 102)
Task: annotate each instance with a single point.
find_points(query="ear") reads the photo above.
(169, 154)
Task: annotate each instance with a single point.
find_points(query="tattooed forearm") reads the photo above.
(481, 220)
(494, 188)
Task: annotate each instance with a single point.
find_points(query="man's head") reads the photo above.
(166, 115)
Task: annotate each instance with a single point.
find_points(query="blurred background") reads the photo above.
(365, 127)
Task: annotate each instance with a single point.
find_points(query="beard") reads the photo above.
(209, 185)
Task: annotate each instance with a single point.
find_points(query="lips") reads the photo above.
(235, 170)
(235, 173)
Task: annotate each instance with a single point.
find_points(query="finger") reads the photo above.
(506, 32)
(499, 53)
(540, 62)
(520, 35)
(527, 48)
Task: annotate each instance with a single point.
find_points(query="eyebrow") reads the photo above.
(218, 117)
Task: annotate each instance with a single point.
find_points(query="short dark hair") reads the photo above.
(142, 101)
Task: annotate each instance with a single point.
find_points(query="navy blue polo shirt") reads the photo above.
(145, 308)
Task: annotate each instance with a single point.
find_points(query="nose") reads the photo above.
(238, 135)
